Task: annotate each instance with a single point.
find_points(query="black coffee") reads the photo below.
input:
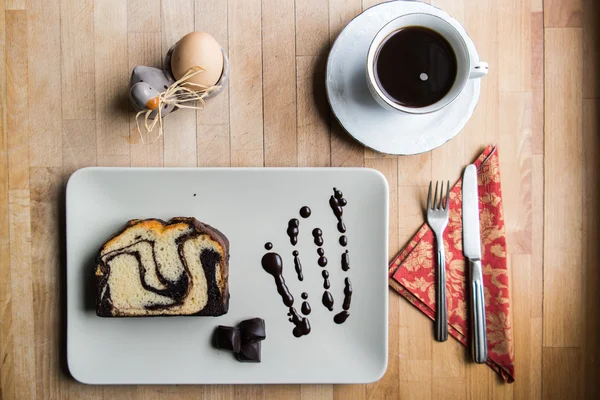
(415, 66)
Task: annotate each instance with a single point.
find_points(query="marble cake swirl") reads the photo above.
(153, 268)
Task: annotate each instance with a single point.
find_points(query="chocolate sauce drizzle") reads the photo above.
(341, 317)
(297, 265)
(327, 300)
(343, 240)
(345, 261)
(293, 230)
(325, 275)
(268, 246)
(305, 212)
(318, 236)
(337, 202)
(272, 263)
(322, 259)
(302, 324)
(306, 308)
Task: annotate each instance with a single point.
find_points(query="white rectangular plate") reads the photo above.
(251, 207)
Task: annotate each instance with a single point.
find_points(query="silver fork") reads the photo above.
(437, 218)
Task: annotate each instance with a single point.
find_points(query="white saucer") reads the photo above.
(358, 112)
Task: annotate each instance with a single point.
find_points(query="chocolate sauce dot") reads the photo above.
(305, 308)
(343, 240)
(304, 295)
(305, 212)
(341, 317)
(322, 261)
(194, 194)
(320, 251)
(325, 274)
(165, 86)
(268, 245)
(295, 253)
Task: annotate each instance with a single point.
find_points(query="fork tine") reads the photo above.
(441, 205)
(429, 196)
(447, 194)
(435, 196)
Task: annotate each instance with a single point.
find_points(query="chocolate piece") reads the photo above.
(228, 338)
(249, 352)
(253, 330)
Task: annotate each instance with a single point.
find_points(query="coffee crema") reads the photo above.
(415, 66)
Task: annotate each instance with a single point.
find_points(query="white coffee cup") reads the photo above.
(467, 66)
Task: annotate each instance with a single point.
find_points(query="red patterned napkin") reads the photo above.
(411, 272)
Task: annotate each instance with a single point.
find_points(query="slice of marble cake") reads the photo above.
(153, 268)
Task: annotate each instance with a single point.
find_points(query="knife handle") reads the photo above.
(441, 310)
(479, 340)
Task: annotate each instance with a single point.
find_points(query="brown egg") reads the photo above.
(198, 49)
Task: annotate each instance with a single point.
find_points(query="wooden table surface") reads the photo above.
(63, 106)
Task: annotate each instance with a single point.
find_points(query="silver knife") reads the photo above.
(472, 251)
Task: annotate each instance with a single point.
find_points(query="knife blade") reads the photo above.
(472, 251)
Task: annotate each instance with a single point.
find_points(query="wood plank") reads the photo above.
(312, 27)
(591, 229)
(388, 386)
(515, 158)
(77, 61)
(527, 333)
(47, 202)
(537, 233)
(79, 145)
(43, 42)
(514, 46)
(143, 16)
(279, 83)
(180, 126)
(17, 122)
(245, 91)
(313, 113)
(6, 335)
(591, 44)
(212, 131)
(481, 21)
(112, 76)
(16, 4)
(23, 330)
(537, 82)
(558, 384)
(563, 13)
(563, 319)
(144, 49)
(345, 151)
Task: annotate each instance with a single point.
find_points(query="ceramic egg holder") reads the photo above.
(155, 92)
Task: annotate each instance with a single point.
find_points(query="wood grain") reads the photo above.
(63, 106)
(563, 317)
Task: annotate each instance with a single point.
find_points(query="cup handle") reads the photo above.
(479, 71)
